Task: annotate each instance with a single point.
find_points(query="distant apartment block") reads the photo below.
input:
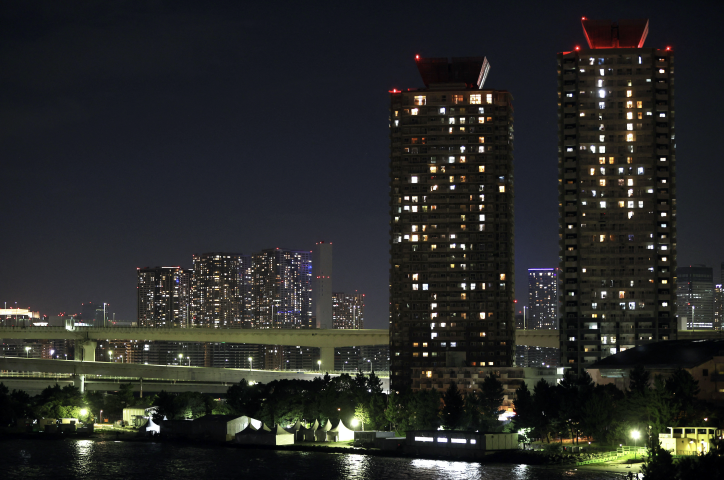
(695, 297)
(348, 310)
(542, 298)
(163, 297)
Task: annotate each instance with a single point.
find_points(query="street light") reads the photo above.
(250, 364)
(635, 435)
(180, 358)
(27, 352)
(110, 355)
(356, 422)
(100, 417)
(319, 365)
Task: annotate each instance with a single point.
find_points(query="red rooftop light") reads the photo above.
(668, 48)
(417, 57)
(577, 48)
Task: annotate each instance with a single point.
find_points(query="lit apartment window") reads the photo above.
(420, 100)
(476, 99)
(415, 111)
(458, 99)
(629, 93)
(489, 98)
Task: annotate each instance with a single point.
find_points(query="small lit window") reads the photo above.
(501, 188)
(629, 93)
(489, 98)
(420, 100)
(415, 111)
(476, 99)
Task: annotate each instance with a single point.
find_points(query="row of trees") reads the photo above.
(576, 406)
(347, 397)
(65, 402)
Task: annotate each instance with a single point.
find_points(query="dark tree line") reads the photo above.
(577, 407)
(65, 402)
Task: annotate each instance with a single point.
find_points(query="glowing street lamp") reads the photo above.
(110, 355)
(27, 352)
(635, 435)
(250, 363)
(319, 365)
(83, 412)
(356, 421)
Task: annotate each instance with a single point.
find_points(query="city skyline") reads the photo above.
(100, 114)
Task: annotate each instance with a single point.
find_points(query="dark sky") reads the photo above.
(138, 133)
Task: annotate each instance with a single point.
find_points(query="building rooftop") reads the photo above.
(609, 34)
(667, 354)
(469, 70)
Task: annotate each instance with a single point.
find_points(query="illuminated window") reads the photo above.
(629, 137)
(640, 115)
(611, 160)
(621, 294)
(602, 161)
(476, 99)
(602, 182)
(458, 99)
(601, 105)
(630, 182)
(501, 188)
(415, 111)
(620, 204)
(602, 204)
(629, 115)
(481, 149)
(629, 93)
(413, 179)
(629, 104)
(451, 120)
(481, 139)
(481, 119)
(489, 98)
(629, 126)
(481, 168)
(420, 100)
(602, 93)
(601, 238)
(433, 169)
(502, 276)
(639, 104)
(593, 171)
(442, 110)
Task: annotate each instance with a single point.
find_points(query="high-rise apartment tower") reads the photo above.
(348, 310)
(163, 297)
(542, 298)
(695, 296)
(451, 219)
(617, 193)
(217, 290)
(281, 286)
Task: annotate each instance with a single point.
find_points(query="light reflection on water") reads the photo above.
(89, 459)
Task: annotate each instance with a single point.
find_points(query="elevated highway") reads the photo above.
(324, 339)
(33, 375)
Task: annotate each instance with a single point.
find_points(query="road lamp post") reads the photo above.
(27, 352)
(319, 365)
(635, 435)
(250, 364)
(180, 359)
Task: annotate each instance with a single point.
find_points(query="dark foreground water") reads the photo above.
(90, 459)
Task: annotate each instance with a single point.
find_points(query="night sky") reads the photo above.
(135, 134)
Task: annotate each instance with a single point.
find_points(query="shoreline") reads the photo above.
(518, 457)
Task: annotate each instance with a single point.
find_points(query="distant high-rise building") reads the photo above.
(718, 306)
(695, 296)
(94, 314)
(542, 298)
(322, 284)
(163, 296)
(451, 217)
(348, 310)
(216, 289)
(616, 165)
(281, 287)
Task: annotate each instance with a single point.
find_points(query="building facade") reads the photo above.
(617, 193)
(348, 310)
(542, 298)
(163, 297)
(281, 287)
(322, 285)
(695, 297)
(216, 290)
(451, 218)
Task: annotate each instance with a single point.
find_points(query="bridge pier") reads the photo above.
(89, 350)
(326, 355)
(79, 382)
